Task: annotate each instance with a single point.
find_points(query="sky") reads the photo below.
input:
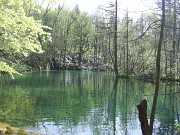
(90, 6)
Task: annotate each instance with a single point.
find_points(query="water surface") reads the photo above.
(84, 103)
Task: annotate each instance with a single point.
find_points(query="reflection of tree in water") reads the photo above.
(99, 119)
(13, 110)
(112, 105)
(167, 111)
(126, 100)
(91, 100)
(118, 115)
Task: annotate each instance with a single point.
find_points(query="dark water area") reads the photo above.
(84, 103)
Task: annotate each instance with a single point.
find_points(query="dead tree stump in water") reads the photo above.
(142, 108)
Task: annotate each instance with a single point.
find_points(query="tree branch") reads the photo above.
(150, 26)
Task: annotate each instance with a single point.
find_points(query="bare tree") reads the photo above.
(142, 107)
(115, 42)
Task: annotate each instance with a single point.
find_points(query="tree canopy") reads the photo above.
(20, 34)
(80, 40)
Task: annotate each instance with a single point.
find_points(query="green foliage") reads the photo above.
(78, 37)
(81, 30)
(20, 34)
(4, 67)
(177, 126)
(22, 68)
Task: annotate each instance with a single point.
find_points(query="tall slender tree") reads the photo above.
(115, 42)
(158, 68)
(142, 107)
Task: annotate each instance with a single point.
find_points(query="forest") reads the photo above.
(35, 37)
(40, 35)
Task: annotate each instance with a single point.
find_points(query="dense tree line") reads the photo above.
(58, 38)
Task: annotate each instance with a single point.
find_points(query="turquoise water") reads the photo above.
(84, 103)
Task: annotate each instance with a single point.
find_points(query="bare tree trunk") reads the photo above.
(127, 47)
(142, 107)
(115, 42)
(158, 68)
(174, 41)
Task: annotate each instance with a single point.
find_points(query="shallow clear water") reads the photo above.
(84, 103)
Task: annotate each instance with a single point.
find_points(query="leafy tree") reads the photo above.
(80, 35)
(19, 34)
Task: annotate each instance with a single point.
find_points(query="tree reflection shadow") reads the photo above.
(112, 105)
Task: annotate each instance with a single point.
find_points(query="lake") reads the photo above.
(84, 103)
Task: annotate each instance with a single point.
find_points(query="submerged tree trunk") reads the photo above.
(142, 108)
(146, 129)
